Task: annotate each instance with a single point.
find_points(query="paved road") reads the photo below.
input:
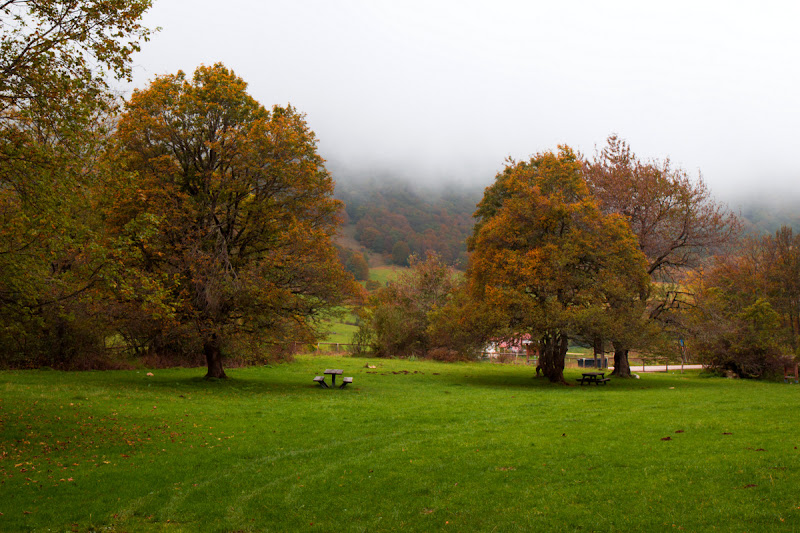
(661, 368)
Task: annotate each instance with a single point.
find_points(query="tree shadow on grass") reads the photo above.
(529, 380)
(233, 386)
(298, 380)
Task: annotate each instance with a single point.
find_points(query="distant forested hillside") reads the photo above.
(397, 219)
(764, 218)
(391, 219)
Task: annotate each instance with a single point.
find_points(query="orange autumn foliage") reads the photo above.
(230, 208)
(547, 260)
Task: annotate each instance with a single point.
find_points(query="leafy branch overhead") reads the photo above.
(58, 55)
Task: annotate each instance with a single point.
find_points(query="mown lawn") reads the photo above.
(413, 445)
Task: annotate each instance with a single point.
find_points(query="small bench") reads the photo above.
(345, 382)
(321, 381)
(593, 377)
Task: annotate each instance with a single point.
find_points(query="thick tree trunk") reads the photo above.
(554, 352)
(599, 351)
(213, 357)
(622, 368)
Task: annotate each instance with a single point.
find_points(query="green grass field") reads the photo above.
(339, 330)
(384, 274)
(412, 445)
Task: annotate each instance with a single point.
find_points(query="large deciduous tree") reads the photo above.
(56, 58)
(231, 210)
(674, 217)
(546, 258)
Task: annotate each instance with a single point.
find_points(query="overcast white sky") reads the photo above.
(445, 90)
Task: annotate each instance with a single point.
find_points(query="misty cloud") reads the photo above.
(447, 90)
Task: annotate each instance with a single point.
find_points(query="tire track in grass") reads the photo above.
(359, 449)
(173, 503)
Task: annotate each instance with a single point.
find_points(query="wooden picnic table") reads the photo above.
(593, 377)
(333, 372)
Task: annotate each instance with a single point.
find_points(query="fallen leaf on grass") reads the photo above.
(666, 438)
(750, 486)
(679, 431)
(428, 511)
(726, 433)
(505, 468)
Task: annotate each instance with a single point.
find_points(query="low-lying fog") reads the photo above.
(446, 90)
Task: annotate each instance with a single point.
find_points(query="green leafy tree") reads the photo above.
(359, 267)
(231, 211)
(397, 317)
(55, 62)
(400, 253)
(743, 317)
(734, 330)
(461, 327)
(781, 257)
(355, 263)
(547, 260)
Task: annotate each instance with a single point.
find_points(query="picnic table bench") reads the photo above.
(333, 372)
(593, 377)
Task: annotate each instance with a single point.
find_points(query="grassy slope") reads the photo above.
(384, 273)
(340, 332)
(462, 447)
(343, 333)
